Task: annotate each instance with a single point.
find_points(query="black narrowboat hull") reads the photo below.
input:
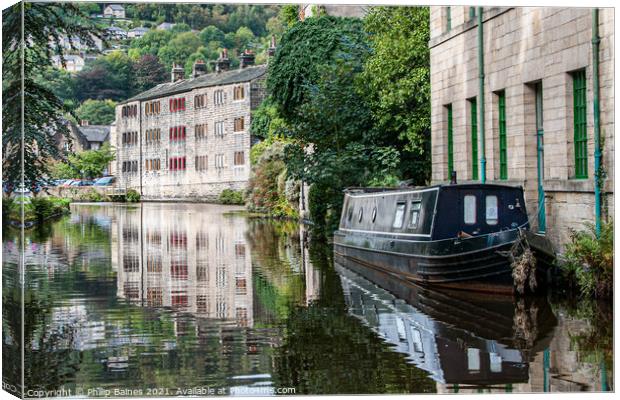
(478, 263)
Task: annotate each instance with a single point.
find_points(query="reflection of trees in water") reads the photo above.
(325, 350)
(525, 324)
(49, 358)
(596, 344)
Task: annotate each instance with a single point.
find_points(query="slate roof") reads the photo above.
(207, 80)
(116, 7)
(95, 133)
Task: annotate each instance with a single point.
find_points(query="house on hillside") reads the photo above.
(114, 11)
(116, 33)
(189, 138)
(73, 63)
(137, 32)
(165, 26)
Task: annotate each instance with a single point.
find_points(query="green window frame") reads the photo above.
(473, 106)
(472, 13)
(448, 18)
(580, 124)
(503, 145)
(450, 141)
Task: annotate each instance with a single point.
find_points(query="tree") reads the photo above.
(27, 151)
(304, 48)
(313, 84)
(396, 81)
(97, 112)
(108, 77)
(243, 38)
(179, 48)
(88, 164)
(211, 33)
(149, 72)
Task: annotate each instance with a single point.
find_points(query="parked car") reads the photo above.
(68, 182)
(81, 182)
(105, 181)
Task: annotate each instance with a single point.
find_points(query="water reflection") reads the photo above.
(179, 296)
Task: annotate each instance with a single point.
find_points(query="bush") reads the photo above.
(229, 196)
(8, 206)
(132, 196)
(42, 208)
(94, 196)
(588, 260)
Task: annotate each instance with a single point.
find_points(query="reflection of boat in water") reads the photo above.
(457, 337)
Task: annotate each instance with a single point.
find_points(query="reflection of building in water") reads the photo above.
(190, 258)
(312, 274)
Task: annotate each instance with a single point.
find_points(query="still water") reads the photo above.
(169, 299)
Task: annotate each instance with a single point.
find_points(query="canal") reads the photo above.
(166, 299)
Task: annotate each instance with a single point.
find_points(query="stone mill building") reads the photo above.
(514, 97)
(189, 138)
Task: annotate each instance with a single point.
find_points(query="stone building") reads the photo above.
(114, 11)
(537, 86)
(189, 138)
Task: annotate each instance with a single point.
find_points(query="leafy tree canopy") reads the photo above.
(87, 164)
(303, 50)
(96, 112)
(42, 24)
(396, 77)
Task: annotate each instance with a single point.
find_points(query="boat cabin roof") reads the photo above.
(434, 212)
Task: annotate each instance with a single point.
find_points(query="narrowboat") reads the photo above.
(462, 236)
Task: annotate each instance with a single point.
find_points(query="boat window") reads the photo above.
(416, 338)
(399, 216)
(360, 215)
(350, 213)
(491, 210)
(374, 214)
(414, 213)
(469, 209)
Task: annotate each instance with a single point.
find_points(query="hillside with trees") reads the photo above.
(132, 65)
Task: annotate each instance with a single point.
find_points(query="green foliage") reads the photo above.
(269, 190)
(22, 60)
(97, 112)
(132, 196)
(87, 164)
(267, 122)
(230, 196)
(289, 14)
(211, 34)
(149, 72)
(107, 77)
(8, 206)
(304, 50)
(396, 81)
(42, 208)
(58, 81)
(588, 260)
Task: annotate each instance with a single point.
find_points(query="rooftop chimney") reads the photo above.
(177, 73)
(246, 59)
(222, 63)
(200, 68)
(271, 51)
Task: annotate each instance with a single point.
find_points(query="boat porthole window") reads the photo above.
(469, 209)
(414, 213)
(374, 214)
(360, 215)
(350, 213)
(399, 216)
(491, 210)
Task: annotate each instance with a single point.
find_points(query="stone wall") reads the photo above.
(523, 46)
